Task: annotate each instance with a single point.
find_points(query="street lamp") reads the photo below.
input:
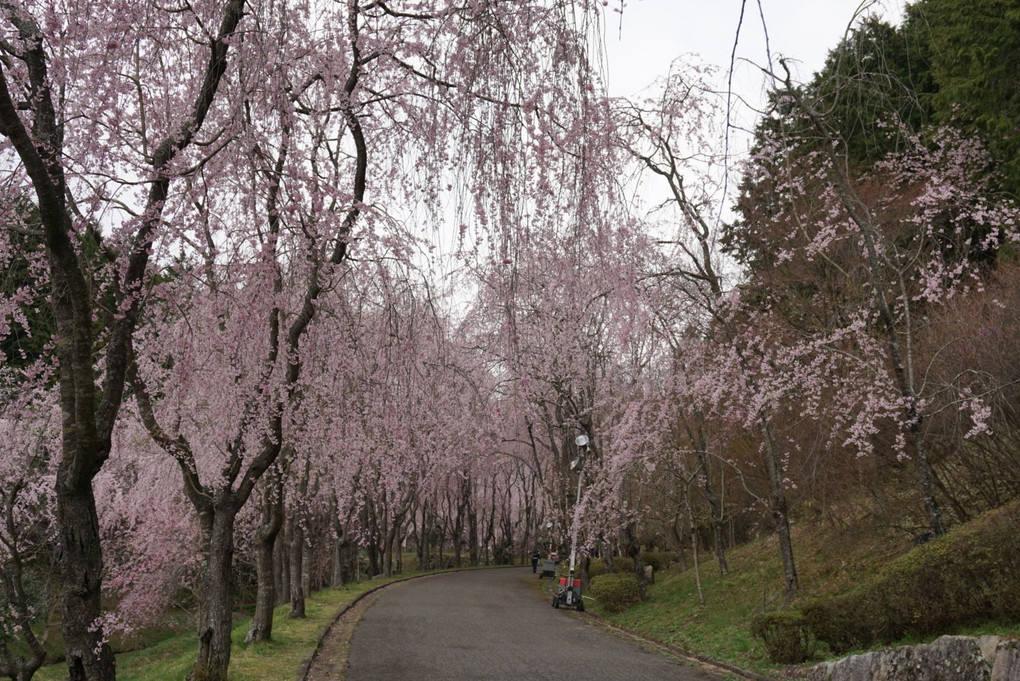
(576, 465)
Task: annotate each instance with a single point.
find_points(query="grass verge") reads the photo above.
(293, 641)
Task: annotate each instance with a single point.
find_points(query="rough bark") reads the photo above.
(261, 628)
(281, 570)
(697, 435)
(472, 522)
(780, 513)
(80, 567)
(297, 545)
(297, 590)
(217, 594)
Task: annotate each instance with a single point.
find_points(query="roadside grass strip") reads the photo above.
(282, 658)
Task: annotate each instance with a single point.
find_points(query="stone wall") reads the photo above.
(949, 658)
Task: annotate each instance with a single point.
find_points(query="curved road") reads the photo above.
(492, 625)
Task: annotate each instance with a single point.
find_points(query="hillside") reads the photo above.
(832, 562)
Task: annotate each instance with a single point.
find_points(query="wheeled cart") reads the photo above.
(569, 595)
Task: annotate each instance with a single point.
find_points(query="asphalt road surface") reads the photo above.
(492, 625)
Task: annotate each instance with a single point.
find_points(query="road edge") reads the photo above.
(708, 664)
(717, 667)
(306, 665)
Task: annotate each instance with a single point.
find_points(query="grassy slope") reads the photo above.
(293, 641)
(829, 561)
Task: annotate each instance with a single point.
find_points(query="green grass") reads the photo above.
(829, 561)
(293, 641)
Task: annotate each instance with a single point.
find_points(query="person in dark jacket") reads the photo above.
(535, 555)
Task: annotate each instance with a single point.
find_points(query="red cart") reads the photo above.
(569, 595)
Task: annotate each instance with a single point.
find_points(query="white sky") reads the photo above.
(655, 32)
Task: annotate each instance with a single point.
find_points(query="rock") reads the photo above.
(948, 658)
(1006, 666)
(989, 645)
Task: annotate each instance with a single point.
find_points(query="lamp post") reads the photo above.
(576, 465)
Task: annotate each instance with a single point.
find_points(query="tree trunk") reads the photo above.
(440, 540)
(217, 595)
(298, 519)
(345, 558)
(473, 537)
(261, 628)
(390, 544)
(777, 503)
(307, 562)
(80, 565)
(694, 548)
(678, 537)
(470, 517)
(458, 534)
(281, 568)
(490, 530)
(297, 591)
(926, 480)
(633, 547)
(370, 523)
(421, 536)
(714, 501)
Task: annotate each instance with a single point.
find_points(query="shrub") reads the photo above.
(971, 574)
(838, 624)
(623, 564)
(659, 560)
(503, 554)
(617, 591)
(787, 636)
(620, 564)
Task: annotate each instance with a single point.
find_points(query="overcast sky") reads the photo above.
(654, 32)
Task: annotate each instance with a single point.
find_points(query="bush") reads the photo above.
(503, 554)
(623, 564)
(970, 575)
(842, 627)
(617, 591)
(620, 564)
(659, 560)
(787, 636)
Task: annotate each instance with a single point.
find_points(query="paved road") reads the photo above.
(492, 625)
